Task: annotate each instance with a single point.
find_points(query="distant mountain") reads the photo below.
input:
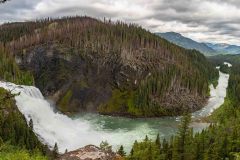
(224, 48)
(188, 43)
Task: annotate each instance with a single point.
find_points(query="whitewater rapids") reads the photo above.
(72, 133)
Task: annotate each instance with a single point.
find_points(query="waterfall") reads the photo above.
(52, 127)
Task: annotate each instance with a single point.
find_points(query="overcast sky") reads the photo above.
(201, 20)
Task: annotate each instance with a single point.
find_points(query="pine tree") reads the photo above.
(158, 142)
(165, 146)
(149, 153)
(55, 151)
(182, 135)
(121, 151)
(146, 139)
(131, 152)
(1, 142)
(31, 124)
(105, 146)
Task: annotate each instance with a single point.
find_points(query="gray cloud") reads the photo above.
(202, 20)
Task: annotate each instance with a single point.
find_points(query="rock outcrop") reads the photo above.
(90, 152)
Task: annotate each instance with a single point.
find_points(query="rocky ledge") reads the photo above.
(90, 152)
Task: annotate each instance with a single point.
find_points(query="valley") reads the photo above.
(71, 82)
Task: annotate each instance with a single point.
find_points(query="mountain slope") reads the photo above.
(84, 64)
(188, 43)
(223, 48)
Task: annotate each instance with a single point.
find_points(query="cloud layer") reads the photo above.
(202, 20)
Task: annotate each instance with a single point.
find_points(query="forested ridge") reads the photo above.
(219, 60)
(130, 70)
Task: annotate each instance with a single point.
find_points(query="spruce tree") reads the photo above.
(55, 151)
(1, 143)
(31, 124)
(104, 145)
(121, 151)
(131, 152)
(182, 135)
(158, 142)
(146, 139)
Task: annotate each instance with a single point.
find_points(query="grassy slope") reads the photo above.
(9, 152)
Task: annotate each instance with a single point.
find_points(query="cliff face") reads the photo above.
(75, 83)
(87, 65)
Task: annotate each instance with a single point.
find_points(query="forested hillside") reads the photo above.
(9, 71)
(220, 141)
(113, 68)
(230, 58)
(220, 60)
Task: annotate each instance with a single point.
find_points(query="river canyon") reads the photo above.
(74, 132)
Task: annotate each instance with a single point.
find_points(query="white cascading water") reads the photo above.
(53, 127)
